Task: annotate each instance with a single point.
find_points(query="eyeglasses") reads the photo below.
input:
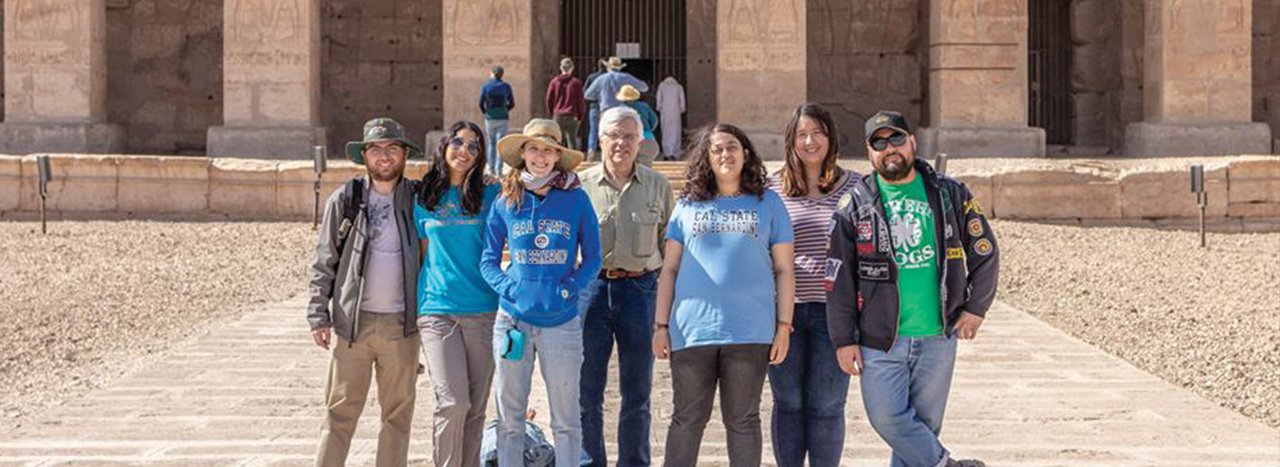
(880, 143)
(380, 151)
(473, 146)
(627, 138)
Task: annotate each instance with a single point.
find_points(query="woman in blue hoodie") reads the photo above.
(546, 221)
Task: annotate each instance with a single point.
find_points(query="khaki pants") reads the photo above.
(382, 346)
(459, 353)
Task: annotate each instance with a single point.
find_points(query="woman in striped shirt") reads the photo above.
(809, 389)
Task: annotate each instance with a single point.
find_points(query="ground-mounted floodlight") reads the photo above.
(940, 163)
(1202, 196)
(320, 159)
(45, 168)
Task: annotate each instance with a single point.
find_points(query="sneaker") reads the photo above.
(965, 463)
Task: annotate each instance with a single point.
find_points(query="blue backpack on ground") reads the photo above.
(537, 451)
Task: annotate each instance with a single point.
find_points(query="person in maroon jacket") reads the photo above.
(566, 103)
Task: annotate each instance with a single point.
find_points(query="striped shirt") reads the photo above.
(811, 219)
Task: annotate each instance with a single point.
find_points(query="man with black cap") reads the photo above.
(912, 268)
(364, 296)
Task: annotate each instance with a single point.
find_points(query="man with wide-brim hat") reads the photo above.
(605, 88)
(380, 130)
(543, 131)
(363, 304)
(630, 96)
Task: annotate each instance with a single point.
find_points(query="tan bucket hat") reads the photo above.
(628, 93)
(544, 131)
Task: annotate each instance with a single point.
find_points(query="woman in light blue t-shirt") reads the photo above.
(456, 307)
(725, 295)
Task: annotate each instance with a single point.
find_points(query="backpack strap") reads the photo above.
(353, 191)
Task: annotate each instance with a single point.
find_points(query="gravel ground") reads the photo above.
(84, 302)
(1207, 320)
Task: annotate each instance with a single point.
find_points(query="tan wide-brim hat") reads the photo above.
(543, 131)
(628, 93)
(614, 63)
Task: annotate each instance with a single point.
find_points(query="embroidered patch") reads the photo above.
(844, 201)
(975, 228)
(982, 247)
(972, 206)
(948, 231)
(873, 270)
(883, 242)
(865, 248)
(864, 230)
(861, 302)
(955, 253)
(833, 269)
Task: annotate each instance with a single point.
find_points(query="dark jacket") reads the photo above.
(862, 277)
(497, 99)
(337, 277)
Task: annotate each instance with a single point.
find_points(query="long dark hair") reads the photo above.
(435, 183)
(792, 178)
(700, 184)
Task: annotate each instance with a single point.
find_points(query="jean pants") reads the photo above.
(809, 392)
(618, 310)
(905, 393)
(558, 350)
(494, 130)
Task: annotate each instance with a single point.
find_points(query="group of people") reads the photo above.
(571, 102)
(805, 278)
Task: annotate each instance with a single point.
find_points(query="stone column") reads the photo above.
(479, 34)
(978, 81)
(271, 80)
(1197, 77)
(56, 78)
(762, 67)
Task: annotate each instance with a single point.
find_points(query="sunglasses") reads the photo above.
(879, 143)
(473, 147)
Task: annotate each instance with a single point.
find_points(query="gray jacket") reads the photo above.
(337, 277)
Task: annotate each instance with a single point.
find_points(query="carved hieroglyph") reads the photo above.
(55, 68)
(479, 34)
(762, 62)
(271, 62)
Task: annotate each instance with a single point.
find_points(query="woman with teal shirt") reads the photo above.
(456, 307)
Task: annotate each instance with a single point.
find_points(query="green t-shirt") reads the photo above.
(911, 226)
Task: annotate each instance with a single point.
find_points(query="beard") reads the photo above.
(390, 174)
(894, 167)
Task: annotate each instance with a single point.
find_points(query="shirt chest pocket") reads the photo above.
(645, 241)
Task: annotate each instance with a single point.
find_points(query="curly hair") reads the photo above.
(513, 186)
(792, 175)
(435, 183)
(700, 180)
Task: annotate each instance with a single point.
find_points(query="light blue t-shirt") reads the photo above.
(450, 280)
(725, 292)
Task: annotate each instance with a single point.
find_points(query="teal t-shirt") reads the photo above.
(911, 226)
(450, 280)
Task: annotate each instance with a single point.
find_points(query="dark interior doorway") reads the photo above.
(592, 29)
(1049, 69)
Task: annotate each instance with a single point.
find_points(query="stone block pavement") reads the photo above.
(249, 394)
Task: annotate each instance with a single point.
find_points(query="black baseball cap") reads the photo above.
(886, 119)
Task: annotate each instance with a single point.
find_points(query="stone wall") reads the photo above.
(1266, 66)
(380, 58)
(164, 73)
(864, 56)
(1241, 188)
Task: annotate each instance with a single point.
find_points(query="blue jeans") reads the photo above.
(809, 391)
(559, 350)
(905, 394)
(593, 140)
(622, 310)
(494, 130)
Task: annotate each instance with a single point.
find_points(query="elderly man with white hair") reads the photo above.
(633, 203)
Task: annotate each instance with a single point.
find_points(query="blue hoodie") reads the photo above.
(545, 236)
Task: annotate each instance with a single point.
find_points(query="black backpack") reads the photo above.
(353, 192)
